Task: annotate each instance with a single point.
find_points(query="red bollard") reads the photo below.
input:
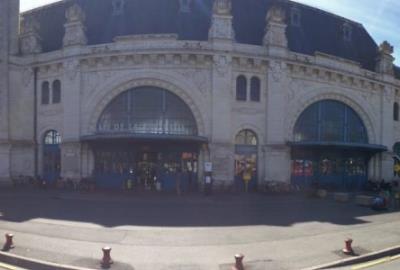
(238, 262)
(106, 261)
(9, 242)
(348, 250)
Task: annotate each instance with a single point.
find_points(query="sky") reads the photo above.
(380, 17)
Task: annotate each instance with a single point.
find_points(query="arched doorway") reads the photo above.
(246, 159)
(51, 156)
(146, 139)
(330, 147)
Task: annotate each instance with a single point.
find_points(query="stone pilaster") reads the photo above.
(29, 38)
(5, 167)
(71, 159)
(74, 27)
(385, 60)
(277, 163)
(221, 120)
(221, 24)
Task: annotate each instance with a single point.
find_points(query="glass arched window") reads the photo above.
(56, 91)
(45, 93)
(246, 137)
(255, 86)
(396, 111)
(148, 110)
(330, 121)
(52, 137)
(241, 88)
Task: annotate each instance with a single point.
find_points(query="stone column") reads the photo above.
(221, 25)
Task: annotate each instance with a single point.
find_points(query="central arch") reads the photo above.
(146, 138)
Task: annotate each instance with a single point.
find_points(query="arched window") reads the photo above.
(52, 137)
(246, 137)
(184, 6)
(56, 91)
(148, 110)
(255, 89)
(295, 16)
(330, 121)
(45, 93)
(347, 32)
(241, 88)
(118, 7)
(396, 111)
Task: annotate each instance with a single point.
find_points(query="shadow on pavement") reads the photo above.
(171, 211)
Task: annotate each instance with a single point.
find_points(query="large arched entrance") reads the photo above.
(331, 148)
(147, 139)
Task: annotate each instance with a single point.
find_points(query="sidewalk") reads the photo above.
(168, 232)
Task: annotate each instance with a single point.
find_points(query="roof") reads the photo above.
(319, 31)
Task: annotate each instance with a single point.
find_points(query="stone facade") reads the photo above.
(202, 73)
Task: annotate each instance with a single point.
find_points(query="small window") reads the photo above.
(255, 89)
(347, 32)
(396, 111)
(241, 88)
(118, 7)
(295, 17)
(56, 91)
(45, 93)
(185, 6)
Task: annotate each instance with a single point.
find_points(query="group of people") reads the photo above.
(388, 194)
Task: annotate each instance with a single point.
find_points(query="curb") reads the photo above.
(359, 259)
(34, 264)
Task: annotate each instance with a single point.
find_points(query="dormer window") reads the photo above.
(295, 17)
(347, 32)
(185, 6)
(118, 7)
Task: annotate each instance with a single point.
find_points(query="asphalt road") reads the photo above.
(191, 231)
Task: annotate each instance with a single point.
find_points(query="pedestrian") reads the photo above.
(396, 195)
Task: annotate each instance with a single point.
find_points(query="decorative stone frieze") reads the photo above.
(29, 38)
(385, 59)
(74, 28)
(310, 72)
(275, 31)
(221, 24)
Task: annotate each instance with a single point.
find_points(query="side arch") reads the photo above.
(305, 102)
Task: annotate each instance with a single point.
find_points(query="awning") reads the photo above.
(372, 148)
(143, 137)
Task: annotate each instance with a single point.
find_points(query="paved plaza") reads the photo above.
(156, 231)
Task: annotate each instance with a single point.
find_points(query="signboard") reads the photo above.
(208, 167)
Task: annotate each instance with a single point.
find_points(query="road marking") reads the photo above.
(8, 267)
(375, 262)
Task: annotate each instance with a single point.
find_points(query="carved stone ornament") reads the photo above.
(221, 28)
(30, 39)
(74, 28)
(71, 68)
(75, 14)
(386, 48)
(222, 7)
(385, 59)
(276, 14)
(221, 64)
